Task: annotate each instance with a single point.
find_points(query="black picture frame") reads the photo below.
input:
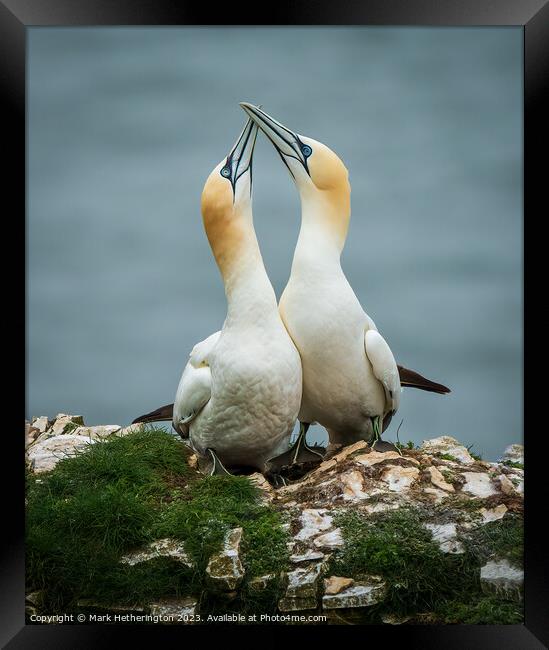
(533, 15)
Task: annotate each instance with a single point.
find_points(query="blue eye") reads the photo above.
(226, 172)
(306, 150)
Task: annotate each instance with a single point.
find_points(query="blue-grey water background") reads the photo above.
(124, 126)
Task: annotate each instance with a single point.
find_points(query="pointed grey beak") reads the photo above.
(239, 160)
(286, 142)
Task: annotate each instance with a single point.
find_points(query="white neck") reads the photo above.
(318, 249)
(250, 295)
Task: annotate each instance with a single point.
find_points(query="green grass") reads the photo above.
(513, 463)
(448, 457)
(122, 493)
(419, 576)
(502, 539)
(487, 610)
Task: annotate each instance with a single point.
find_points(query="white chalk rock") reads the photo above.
(450, 446)
(225, 570)
(360, 594)
(500, 576)
(44, 454)
(478, 484)
(446, 537)
(399, 479)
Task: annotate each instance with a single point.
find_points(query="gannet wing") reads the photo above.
(415, 380)
(384, 366)
(195, 386)
(158, 415)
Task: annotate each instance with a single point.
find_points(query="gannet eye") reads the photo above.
(306, 150)
(226, 172)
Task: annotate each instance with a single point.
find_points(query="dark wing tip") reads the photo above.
(158, 415)
(413, 379)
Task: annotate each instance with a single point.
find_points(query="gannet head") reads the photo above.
(320, 176)
(227, 198)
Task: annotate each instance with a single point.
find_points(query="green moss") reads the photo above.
(419, 576)
(473, 455)
(449, 477)
(513, 463)
(409, 445)
(502, 539)
(448, 457)
(122, 493)
(217, 504)
(487, 610)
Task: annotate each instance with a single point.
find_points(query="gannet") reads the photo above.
(351, 381)
(240, 392)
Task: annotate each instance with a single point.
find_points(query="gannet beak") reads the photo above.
(239, 160)
(286, 142)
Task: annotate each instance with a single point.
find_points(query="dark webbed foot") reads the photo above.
(377, 444)
(299, 452)
(276, 480)
(383, 446)
(218, 469)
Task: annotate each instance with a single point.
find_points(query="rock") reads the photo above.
(30, 434)
(306, 557)
(260, 583)
(179, 610)
(505, 484)
(350, 449)
(514, 453)
(478, 484)
(393, 619)
(193, 461)
(225, 571)
(375, 457)
(449, 446)
(35, 598)
(44, 454)
(399, 479)
(360, 594)
(171, 548)
(493, 514)
(436, 495)
(302, 589)
(500, 577)
(438, 480)
(267, 491)
(65, 424)
(131, 428)
(40, 423)
(87, 604)
(335, 584)
(446, 537)
(330, 540)
(96, 433)
(353, 484)
(313, 522)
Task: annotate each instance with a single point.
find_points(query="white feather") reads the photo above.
(384, 366)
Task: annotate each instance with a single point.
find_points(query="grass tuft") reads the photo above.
(419, 576)
(122, 493)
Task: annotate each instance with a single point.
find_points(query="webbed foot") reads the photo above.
(383, 446)
(299, 452)
(276, 480)
(377, 444)
(218, 469)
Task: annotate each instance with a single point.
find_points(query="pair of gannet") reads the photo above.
(243, 387)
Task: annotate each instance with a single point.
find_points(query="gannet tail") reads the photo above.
(413, 379)
(158, 415)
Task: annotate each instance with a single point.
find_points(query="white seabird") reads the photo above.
(240, 392)
(351, 382)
